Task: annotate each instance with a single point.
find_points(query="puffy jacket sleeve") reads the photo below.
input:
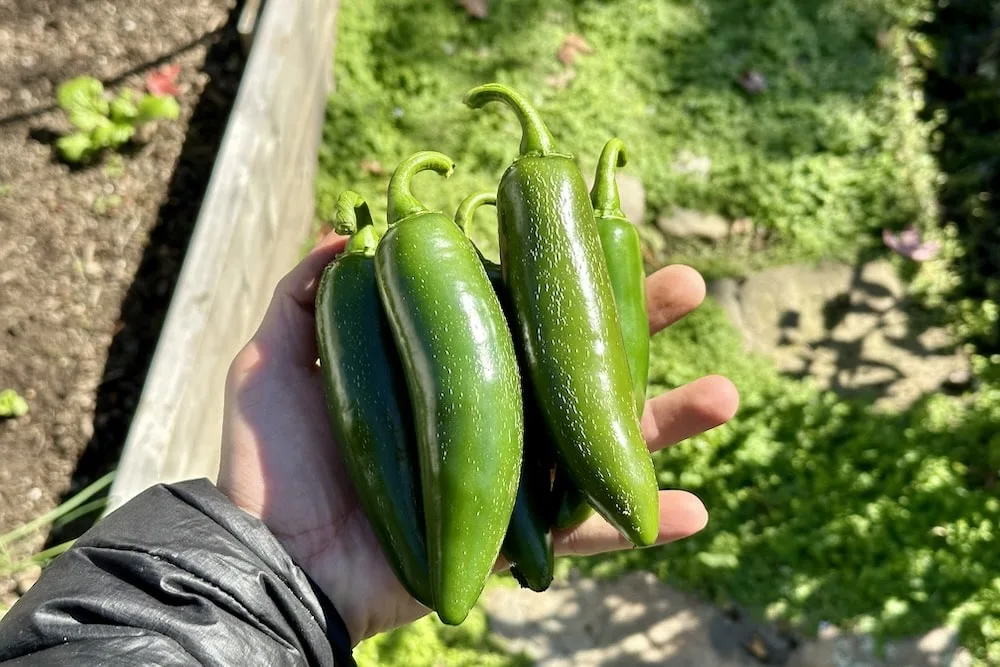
(176, 576)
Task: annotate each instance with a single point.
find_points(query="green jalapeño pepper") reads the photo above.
(528, 543)
(461, 369)
(367, 400)
(623, 255)
(553, 267)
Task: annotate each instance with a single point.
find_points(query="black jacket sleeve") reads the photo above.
(176, 576)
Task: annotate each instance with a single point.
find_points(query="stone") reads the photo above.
(633, 197)
(938, 640)
(726, 293)
(847, 328)
(687, 223)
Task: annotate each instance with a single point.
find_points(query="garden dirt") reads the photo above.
(89, 256)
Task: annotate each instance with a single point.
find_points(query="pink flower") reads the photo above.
(908, 244)
(163, 81)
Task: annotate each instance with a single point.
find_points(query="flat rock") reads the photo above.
(937, 648)
(687, 223)
(633, 197)
(850, 329)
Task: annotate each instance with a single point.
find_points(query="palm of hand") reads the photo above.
(280, 463)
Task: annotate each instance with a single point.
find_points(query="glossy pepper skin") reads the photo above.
(553, 267)
(461, 369)
(367, 400)
(528, 543)
(623, 256)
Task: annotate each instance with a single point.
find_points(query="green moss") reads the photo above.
(431, 643)
(828, 155)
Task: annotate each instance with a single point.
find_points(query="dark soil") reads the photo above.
(84, 286)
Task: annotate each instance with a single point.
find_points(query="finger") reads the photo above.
(671, 293)
(288, 329)
(299, 285)
(682, 515)
(688, 410)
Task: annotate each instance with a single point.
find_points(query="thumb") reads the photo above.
(288, 328)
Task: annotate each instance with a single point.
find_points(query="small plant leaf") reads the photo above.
(123, 108)
(155, 107)
(87, 120)
(115, 168)
(103, 205)
(113, 135)
(12, 405)
(83, 101)
(75, 147)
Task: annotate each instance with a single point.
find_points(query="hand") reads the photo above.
(280, 463)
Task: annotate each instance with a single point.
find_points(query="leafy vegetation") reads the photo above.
(826, 156)
(431, 643)
(12, 404)
(102, 123)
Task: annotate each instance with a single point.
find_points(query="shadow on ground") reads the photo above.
(852, 329)
(637, 620)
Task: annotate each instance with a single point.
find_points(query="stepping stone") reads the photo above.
(850, 329)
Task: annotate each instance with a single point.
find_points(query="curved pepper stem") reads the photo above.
(604, 195)
(352, 216)
(535, 136)
(467, 209)
(402, 203)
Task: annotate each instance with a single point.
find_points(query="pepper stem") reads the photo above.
(604, 195)
(467, 209)
(402, 203)
(353, 217)
(351, 214)
(535, 136)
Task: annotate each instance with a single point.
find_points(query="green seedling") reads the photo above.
(115, 168)
(105, 204)
(12, 405)
(103, 124)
